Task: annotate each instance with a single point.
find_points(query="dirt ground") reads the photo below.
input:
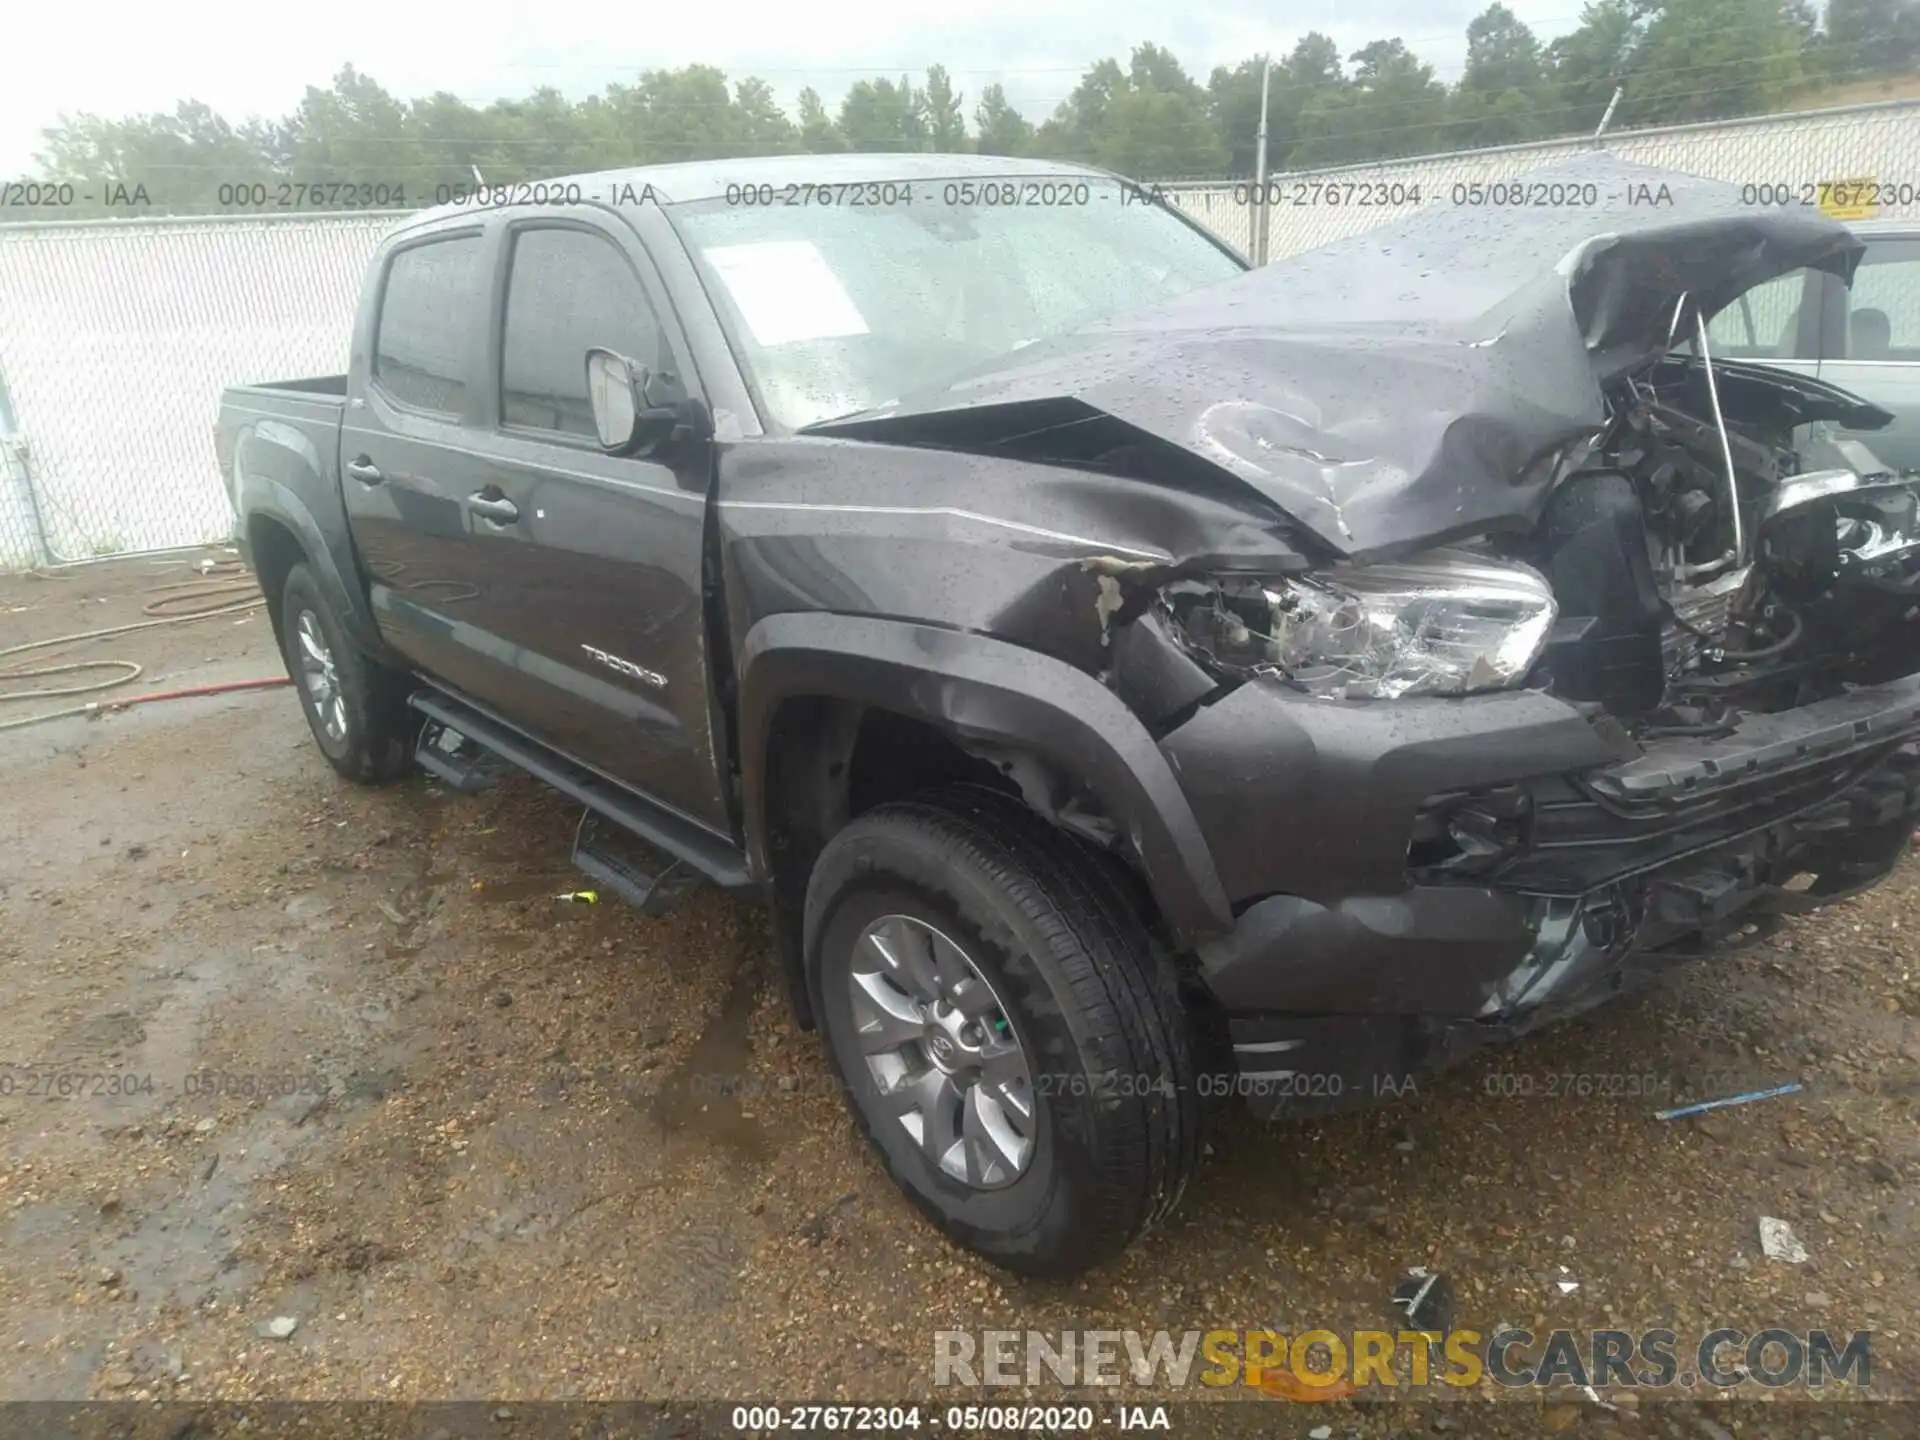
(337, 1055)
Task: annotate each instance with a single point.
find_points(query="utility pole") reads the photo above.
(1607, 119)
(1259, 246)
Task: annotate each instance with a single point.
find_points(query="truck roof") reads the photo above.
(695, 180)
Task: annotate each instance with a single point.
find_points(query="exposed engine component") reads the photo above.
(1676, 602)
(1606, 646)
(1711, 548)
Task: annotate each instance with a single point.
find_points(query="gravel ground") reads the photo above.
(503, 1172)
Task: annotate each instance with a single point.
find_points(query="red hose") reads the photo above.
(97, 707)
(221, 689)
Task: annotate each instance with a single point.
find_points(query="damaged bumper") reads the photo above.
(1414, 880)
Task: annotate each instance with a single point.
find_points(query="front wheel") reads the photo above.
(1010, 1044)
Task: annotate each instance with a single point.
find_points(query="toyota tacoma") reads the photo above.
(1128, 677)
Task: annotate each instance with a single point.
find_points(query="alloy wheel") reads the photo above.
(948, 1064)
(319, 678)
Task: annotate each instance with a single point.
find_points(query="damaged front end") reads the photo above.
(1584, 649)
(1738, 622)
(1726, 596)
(1684, 571)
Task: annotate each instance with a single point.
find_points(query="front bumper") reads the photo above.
(1346, 972)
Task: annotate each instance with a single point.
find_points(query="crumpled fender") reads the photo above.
(983, 689)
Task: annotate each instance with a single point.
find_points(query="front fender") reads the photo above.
(983, 689)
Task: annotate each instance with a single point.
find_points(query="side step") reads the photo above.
(458, 762)
(693, 848)
(607, 855)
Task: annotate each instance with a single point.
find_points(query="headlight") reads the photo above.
(1448, 622)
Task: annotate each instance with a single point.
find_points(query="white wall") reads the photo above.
(1881, 140)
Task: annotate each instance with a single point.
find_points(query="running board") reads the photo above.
(699, 850)
(458, 762)
(605, 854)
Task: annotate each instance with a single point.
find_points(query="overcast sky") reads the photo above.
(115, 58)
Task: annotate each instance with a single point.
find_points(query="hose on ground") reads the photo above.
(94, 707)
(221, 589)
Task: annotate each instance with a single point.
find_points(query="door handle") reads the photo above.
(365, 471)
(500, 510)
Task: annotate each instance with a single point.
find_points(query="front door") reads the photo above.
(598, 592)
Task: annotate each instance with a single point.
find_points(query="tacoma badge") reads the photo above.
(627, 667)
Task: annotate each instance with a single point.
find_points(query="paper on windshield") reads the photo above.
(785, 292)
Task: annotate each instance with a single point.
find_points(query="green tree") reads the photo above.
(881, 116)
(1676, 60)
(946, 121)
(1588, 63)
(761, 126)
(1152, 134)
(689, 114)
(1393, 106)
(1707, 59)
(1503, 95)
(1311, 69)
(1233, 105)
(1068, 134)
(356, 132)
(1153, 67)
(1871, 37)
(818, 133)
(180, 160)
(1002, 129)
(1150, 121)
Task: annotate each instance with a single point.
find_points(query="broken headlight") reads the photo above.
(1446, 622)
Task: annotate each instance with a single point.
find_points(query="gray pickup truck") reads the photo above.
(1133, 682)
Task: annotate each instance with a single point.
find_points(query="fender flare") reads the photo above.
(987, 690)
(264, 498)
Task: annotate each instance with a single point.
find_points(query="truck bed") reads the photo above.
(312, 385)
(278, 447)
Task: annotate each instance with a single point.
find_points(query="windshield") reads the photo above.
(839, 307)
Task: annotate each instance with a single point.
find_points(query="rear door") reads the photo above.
(594, 586)
(408, 461)
(1876, 352)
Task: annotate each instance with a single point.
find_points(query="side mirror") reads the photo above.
(633, 408)
(612, 390)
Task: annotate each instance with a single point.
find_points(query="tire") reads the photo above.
(356, 707)
(1113, 1129)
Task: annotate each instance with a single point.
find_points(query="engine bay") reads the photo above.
(1703, 566)
(1689, 564)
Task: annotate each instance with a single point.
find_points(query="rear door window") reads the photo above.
(422, 339)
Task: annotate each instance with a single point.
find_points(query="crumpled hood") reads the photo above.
(1395, 389)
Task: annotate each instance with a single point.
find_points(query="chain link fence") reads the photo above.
(116, 337)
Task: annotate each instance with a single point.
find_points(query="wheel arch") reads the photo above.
(281, 533)
(808, 683)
